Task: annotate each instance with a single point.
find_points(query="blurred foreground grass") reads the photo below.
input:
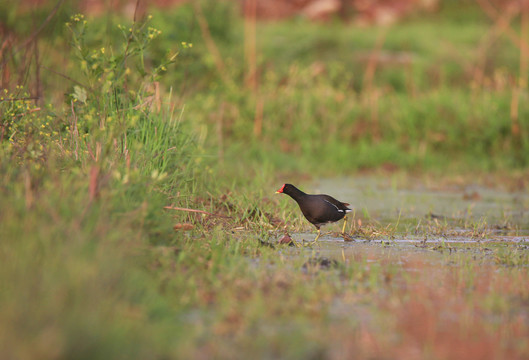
(90, 266)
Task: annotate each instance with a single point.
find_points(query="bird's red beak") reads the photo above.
(280, 190)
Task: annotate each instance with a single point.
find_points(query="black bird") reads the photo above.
(318, 209)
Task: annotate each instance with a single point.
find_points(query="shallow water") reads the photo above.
(468, 214)
(384, 201)
(469, 261)
(411, 255)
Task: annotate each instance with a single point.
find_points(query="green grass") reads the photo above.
(432, 114)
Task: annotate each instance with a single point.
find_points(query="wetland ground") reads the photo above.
(432, 273)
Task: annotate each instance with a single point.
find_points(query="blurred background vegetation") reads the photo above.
(108, 113)
(435, 85)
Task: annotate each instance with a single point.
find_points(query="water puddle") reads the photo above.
(466, 219)
(384, 201)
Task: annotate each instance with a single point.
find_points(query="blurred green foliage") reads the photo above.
(439, 98)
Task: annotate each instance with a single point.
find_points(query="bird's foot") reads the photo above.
(295, 243)
(310, 243)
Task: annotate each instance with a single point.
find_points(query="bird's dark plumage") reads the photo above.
(317, 209)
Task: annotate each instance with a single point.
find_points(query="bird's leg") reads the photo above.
(317, 237)
(344, 223)
(346, 237)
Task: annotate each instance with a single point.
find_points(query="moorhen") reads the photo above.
(318, 209)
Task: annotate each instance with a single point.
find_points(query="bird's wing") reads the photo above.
(338, 204)
(334, 205)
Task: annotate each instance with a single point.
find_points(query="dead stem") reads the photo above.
(196, 211)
